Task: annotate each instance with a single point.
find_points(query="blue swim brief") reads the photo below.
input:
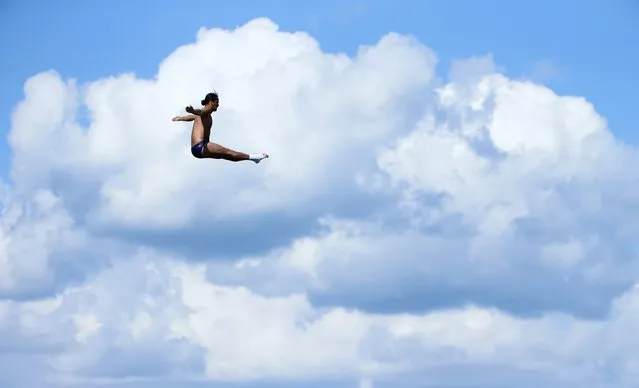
(196, 149)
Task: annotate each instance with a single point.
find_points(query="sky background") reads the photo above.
(424, 216)
(579, 47)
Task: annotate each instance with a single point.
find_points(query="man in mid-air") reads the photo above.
(201, 146)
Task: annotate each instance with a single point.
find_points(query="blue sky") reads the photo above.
(589, 42)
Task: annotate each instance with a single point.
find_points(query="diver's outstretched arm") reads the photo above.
(197, 112)
(184, 118)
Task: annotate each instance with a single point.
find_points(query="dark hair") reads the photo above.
(209, 97)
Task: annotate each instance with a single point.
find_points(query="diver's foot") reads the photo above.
(258, 157)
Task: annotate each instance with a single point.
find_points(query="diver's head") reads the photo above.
(212, 101)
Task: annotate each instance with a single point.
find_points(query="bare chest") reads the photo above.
(207, 121)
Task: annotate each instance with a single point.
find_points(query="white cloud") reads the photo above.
(492, 218)
(35, 233)
(309, 110)
(500, 215)
(181, 324)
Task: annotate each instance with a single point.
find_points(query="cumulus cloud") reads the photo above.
(407, 230)
(508, 202)
(327, 109)
(37, 234)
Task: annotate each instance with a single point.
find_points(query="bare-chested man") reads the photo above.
(201, 146)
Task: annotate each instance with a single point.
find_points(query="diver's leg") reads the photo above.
(216, 151)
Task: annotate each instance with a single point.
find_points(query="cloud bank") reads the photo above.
(408, 230)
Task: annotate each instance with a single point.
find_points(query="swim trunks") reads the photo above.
(196, 149)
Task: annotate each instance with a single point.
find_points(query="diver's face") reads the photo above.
(214, 105)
